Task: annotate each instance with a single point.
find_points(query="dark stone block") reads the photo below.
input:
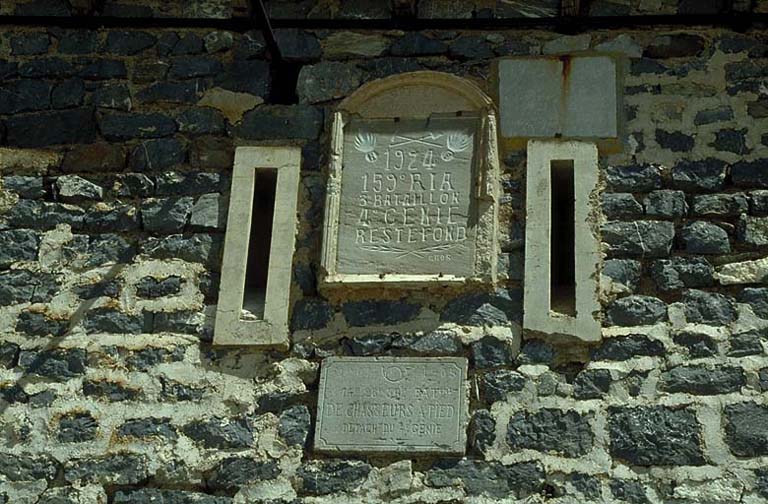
(699, 345)
(166, 215)
(761, 482)
(696, 176)
(629, 491)
(627, 347)
(298, 45)
(589, 486)
(434, 343)
(9, 355)
(492, 352)
(623, 271)
(701, 237)
(201, 121)
(25, 187)
(616, 205)
(143, 360)
(249, 76)
(113, 96)
(177, 184)
(235, 472)
(28, 467)
(494, 479)
(495, 385)
(58, 364)
(107, 320)
(54, 68)
(22, 286)
(680, 45)
(78, 42)
(200, 248)
(154, 495)
(24, 95)
(129, 42)
(295, 424)
(666, 203)
(172, 92)
(110, 391)
(8, 70)
(97, 158)
(43, 8)
(327, 80)
(384, 67)
(280, 122)
(675, 141)
(710, 116)
(276, 402)
(221, 433)
(758, 109)
(176, 391)
(636, 310)
(702, 380)
(331, 476)
(102, 69)
(117, 469)
(757, 298)
(720, 205)
(148, 427)
(117, 127)
(482, 431)
(592, 384)
(372, 312)
(731, 141)
(634, 178)
(680, 272)
(67, 94)
(158, 154)
(118, 218)
(189, 67)
(745, 429)
(417, 44)
(748, 343)
(368, 345)
(310, 314)
(30, 43)
(471, 47)
(38, 324)
(550, 430)
(42, 129)
(482, 309)
(18, 245)
(150, 287)
(135, 185)
(536, 352)
(109, 248)
(248, 46)
(750, 174)
(639, 238)
(77, 428)
(655, 435)
(708, 307)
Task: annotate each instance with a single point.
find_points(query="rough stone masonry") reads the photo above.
(116, 147)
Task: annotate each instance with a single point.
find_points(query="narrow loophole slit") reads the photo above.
(259, 244)
(562, 260)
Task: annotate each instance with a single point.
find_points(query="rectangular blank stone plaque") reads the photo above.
(391, 404)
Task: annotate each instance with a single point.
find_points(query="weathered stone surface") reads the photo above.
(295, 423)
(9, 355)
(484, 309)
(326, 81)
(627, 347)
(353, 45)
(492, 352)
(639, 238)
(346, 382)
(536, 352)
(230, 103)
(201, 121)
(617, 205)
(695, 176)
(179, 184)
(323, 477)
(592, 383)
(745, 429)
(189, 67)
(699, 345)
(43, 215)
(700, 237)
(311, 314)
(625, 272)
(41, 129)
(373, 312)
(417, 44)
(117, 469)
(72, 188)
(38, 324)
(77, 428)
(106, 320)
(656, 435)
(25, 187)
(235, 472)
(757, 299)
(750, 174)
(24, 96)
(729, 140)
(708, 307)
(758, 202)
(28, 44)
(67, 94)
(470, 47)
(209, 212)
(202, 248)
(701, 380)
(678, 45)
(129, 42)
(680, 272)
(172, 92)
(298, 45)
(145, 495)
(709, 116)
(550, 430)
(675, 141)
(636, 310)
(113, 96)
(22, 286)
(111, 219)
(753, 231)
(482, 431)
(495, 385)
(148, 427)
(280, 121)
(110, 391)
(100, 69)
(126, 126)
(494, 479)
(158, 154)
(166, 215)
(666, 203)
(150, 287)
(28, 467)
(745, 272)
(18, 245)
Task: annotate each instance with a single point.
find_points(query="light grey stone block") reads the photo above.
(390, 404)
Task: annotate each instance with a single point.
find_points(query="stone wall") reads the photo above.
(117, 147)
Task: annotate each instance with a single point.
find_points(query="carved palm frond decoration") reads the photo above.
(457, 142)
(365, 142)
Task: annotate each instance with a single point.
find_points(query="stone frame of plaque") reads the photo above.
(428, 141)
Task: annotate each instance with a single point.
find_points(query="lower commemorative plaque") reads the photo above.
(391, 404)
